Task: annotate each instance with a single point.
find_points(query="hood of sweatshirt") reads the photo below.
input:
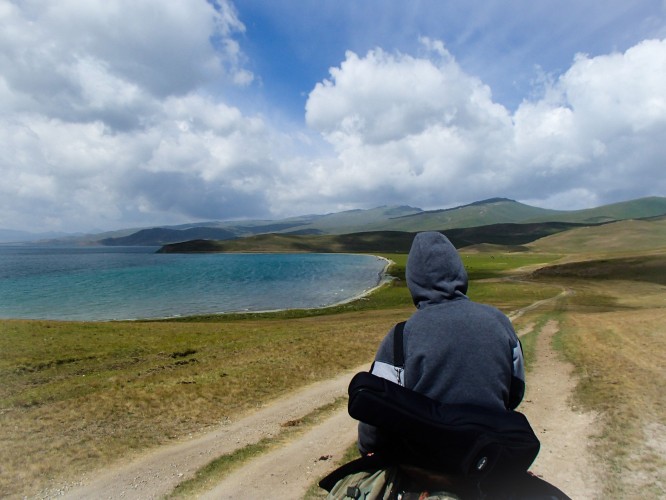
(435, 271)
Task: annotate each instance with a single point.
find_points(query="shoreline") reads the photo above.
(382, 279)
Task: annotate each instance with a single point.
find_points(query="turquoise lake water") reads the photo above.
(111, 283)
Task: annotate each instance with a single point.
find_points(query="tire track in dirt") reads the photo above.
(287, 471)
(157, 473)
(565, 459)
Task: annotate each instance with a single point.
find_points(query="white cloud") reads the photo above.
(600, 124)
(418, 128)
(105, 121)
(196, 160)
(384, 97)
(72, 59)
(118, 113)
(423, 130)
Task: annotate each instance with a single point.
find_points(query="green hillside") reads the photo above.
(635, 209)
(622, 236)
(649, 268)
(494, 211)
(487, 213)
(549, 237)
(502, 210)
(351, 221)
(376, 241)
(511, 235)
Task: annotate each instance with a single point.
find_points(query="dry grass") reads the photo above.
(634, 236)
(77, 396)
(614, 332)
(620, 355)
(615, 335)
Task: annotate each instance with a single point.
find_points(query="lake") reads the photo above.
(116, 283)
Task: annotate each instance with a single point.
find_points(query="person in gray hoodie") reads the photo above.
(456, 350)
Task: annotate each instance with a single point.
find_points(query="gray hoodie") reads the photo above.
(456, 350)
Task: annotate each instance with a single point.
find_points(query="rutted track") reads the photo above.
(287, 471)
(157, 473)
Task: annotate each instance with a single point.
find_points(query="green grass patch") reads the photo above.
(493, 265)
(529, 340)
(81, 395)
(511, 295)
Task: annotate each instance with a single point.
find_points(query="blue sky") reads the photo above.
(292, 44)
(128, 113)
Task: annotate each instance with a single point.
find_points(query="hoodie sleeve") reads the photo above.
(517, 389)
(384, 364)
(370, 438)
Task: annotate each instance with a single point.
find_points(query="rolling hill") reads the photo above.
(623, 237)
(484, 214)
(469, 221)
(502, 210)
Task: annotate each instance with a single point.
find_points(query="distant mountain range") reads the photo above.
(11, 235)
(491, 212)
(401, 218)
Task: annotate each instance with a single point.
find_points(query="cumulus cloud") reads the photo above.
(196, 160)
(107, 119)
(205, 161)
(118, 113)
(81, 61)
(599, 124)
(384, 97)
(424, 131)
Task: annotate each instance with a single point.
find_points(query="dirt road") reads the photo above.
(565, 459)
(287, 472)
(156, 474)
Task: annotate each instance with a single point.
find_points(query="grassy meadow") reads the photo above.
(78, 396)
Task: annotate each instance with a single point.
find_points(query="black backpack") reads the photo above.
(483, 447)
(462, 440)
(465, 440)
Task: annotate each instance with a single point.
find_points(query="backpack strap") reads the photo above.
(399, 351)
(398, 346)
